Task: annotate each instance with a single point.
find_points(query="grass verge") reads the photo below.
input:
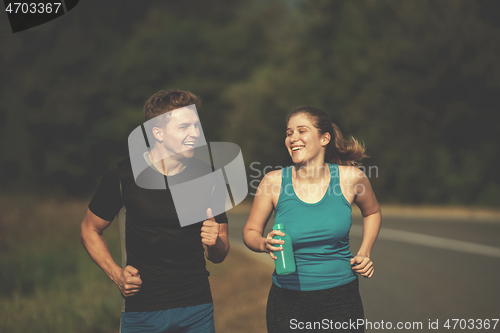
(49, 284)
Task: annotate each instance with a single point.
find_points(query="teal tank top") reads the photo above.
(320, 236)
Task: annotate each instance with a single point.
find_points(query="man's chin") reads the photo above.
(187, 154)
(182, 155)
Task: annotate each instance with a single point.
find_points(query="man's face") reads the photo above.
(181, 133)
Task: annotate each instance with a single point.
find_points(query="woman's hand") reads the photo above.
(269, 244)
(362, 265)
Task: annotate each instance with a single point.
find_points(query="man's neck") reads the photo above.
(169, 165)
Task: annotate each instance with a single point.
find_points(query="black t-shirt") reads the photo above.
(170, 258)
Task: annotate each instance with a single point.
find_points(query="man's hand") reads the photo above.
(129, 281)
(210, 230)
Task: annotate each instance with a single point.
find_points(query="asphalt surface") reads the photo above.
(444, 269)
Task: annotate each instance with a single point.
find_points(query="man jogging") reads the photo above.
(165, 281)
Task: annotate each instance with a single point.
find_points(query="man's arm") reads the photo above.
(215, 236)
(128, 279)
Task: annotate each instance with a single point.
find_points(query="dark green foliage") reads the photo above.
(415, 80)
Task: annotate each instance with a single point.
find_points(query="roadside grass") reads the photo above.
(48, 283)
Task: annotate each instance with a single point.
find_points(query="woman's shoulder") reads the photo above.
(273, 177)
(350, 173)
(270, 186)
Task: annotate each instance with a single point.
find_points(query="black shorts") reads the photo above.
(337, 309)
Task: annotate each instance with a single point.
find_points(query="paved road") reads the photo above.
(427, 269)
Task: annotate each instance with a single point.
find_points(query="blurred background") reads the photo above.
(417, 81)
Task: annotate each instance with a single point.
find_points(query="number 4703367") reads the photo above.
(33, 8)
(471, 324)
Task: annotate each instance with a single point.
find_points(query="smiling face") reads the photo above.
(180, 134)
(304, 142)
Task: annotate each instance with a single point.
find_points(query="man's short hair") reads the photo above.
(167, 100)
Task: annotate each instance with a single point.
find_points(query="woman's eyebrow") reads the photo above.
(300, 126)
(289, 128)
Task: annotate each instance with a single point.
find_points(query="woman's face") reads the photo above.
(304, 142)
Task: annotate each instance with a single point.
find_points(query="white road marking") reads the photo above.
(431, 241)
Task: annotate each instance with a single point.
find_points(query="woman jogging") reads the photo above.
(313, 198)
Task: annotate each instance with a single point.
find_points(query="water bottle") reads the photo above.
(285, 264)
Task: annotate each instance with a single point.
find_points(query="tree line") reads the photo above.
(416, 81)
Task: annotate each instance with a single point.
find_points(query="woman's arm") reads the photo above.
(367, 202)
(263, 205)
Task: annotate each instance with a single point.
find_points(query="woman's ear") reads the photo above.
(325, 139)
(158, 134)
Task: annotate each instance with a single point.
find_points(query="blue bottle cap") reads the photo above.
(279, 226)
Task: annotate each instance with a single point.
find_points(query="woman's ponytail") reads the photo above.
(344, 152)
